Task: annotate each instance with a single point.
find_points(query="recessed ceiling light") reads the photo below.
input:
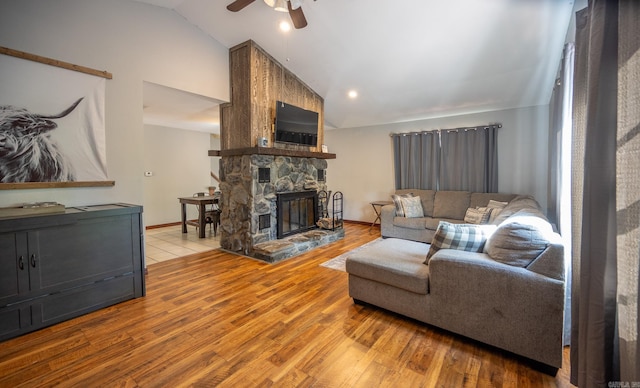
(285, 26)
(352, 94)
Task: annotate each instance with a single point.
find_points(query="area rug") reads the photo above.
(338, 262)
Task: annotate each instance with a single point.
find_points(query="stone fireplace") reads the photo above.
(255, 169)
(251, 186)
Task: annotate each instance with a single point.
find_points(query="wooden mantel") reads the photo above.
(272, 151)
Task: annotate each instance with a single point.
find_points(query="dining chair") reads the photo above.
(208, 219)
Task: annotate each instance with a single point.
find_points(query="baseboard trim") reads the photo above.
(179, 223)
(162, 225)
(361, 223)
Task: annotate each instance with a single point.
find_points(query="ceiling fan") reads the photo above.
(294, 7)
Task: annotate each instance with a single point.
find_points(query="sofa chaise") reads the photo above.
(507, 292)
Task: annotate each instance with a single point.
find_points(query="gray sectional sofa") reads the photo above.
(509, 293)
(437, 206)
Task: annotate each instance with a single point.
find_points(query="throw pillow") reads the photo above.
(520, 239)
(398, 203)
(478, 215)
(496, 207)
(463, 237)
(412, 207)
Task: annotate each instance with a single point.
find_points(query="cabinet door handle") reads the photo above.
(21, 262)
(33, 260)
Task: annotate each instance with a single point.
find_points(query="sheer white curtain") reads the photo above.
(606, 195)
(559, 184)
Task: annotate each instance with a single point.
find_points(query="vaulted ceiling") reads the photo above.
(407, 60)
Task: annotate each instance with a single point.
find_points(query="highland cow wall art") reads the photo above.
(51, 124)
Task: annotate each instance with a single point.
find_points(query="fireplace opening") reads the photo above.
(297, 212)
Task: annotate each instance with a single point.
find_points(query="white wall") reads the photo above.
(136, 42)
(363, 168)
(180, 166)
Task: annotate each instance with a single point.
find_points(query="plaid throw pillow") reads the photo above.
(397, 200)
(463, 237)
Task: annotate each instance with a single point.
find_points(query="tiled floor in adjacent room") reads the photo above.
(169, 242)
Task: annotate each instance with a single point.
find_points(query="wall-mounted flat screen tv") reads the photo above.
(296, 125)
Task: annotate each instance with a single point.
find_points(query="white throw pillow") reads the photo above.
(412, 207)
(398, 203)
(478, 215)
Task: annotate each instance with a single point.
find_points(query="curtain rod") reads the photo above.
(54, 62)
(434, 131)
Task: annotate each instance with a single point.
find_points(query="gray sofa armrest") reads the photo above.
(551, 261)
(497, 304)
(387, 212)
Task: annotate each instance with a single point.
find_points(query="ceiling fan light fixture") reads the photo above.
(278, 5)
(285, 26)
(295, 4)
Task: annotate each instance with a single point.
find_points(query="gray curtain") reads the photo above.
(605, 195)
(628, 189)
(416, 160)
(555, 152)
(469, 159)
(559, 128)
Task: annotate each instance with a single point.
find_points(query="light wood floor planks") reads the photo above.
(217, 319)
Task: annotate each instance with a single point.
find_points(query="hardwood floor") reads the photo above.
(217, 319)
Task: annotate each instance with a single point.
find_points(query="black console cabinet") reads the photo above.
(55, 267)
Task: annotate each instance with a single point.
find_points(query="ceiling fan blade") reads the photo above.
(238, 5)
(297, 16)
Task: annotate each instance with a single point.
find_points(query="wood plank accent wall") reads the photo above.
(257, 82)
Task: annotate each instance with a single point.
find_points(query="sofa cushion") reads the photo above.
(520, 238)
(463, 237)
(518, 203)
(482, 199)
(397, 201)
(451, 204)
(409, 223)
(433, 223)
(412, 207)
(427, 197)
(393, 261)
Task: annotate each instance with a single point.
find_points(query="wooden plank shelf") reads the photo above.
(272, 151)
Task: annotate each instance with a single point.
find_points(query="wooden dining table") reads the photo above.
(202, 203)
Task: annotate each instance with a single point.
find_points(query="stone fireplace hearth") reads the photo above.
(250, 185)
